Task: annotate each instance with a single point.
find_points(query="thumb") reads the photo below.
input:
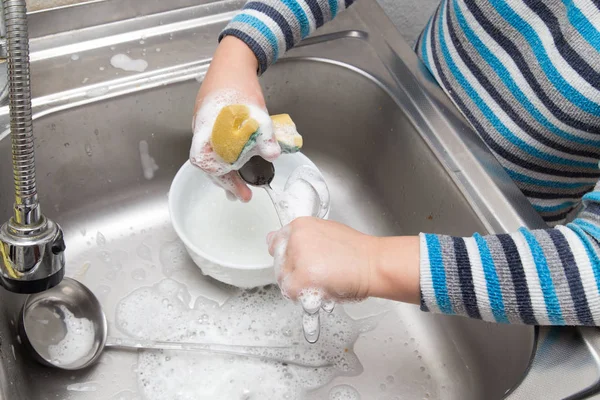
(270, 149)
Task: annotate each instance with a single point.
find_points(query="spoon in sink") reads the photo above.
(65, 327)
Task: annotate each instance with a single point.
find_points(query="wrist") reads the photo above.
(395, 265)
(237, 53)
(233, 67)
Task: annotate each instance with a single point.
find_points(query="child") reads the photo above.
(526, 75)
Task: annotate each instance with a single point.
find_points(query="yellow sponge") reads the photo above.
(234, 129)
(286, 134)
(231, 132)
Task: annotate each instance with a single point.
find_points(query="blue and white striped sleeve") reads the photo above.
(272, 27)
(538, 277)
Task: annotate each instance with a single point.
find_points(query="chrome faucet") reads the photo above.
(31, 246)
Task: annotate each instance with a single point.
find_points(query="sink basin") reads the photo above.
(397, 156)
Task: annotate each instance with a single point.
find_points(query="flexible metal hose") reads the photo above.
(21, 126)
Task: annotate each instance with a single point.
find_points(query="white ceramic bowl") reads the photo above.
(227, 239)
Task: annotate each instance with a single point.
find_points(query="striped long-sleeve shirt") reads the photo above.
(526, 74)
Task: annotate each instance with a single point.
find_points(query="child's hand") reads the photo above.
(231, 94)
(311, 253)
(344, 264)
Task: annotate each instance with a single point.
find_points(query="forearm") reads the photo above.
(233, 66)
(541, 277)
(272, 27)
(395, 269)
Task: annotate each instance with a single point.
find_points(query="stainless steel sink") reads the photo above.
(397, 157)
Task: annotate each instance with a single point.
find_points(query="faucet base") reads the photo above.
(32, 259)
(30, 287)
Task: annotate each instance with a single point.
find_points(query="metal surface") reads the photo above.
(33, 258)
(397, 156)
(563, 366)
(45, 324)
(31, 246)
(258, 172)
(21, 122)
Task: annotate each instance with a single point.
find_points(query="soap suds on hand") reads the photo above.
(126, 63)
(201, 154)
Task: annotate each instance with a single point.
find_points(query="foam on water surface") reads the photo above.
(344, 392)
(83, 387)
(149, 166)
(261, 317)
(77, 343)
(126, 63)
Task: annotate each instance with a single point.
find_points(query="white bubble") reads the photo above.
(344, 392)
(126, 63)
(83, 387)
(149, 166)
(100, 239)
(144, 252)
(138, 274)
(78, 341)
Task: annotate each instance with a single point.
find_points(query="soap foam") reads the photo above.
(149, 166)
(77, 343)
(344, 392)
(311, 176)
(83, 387)
(260, 317)
(126, 63)
(298, 200)
(201, 153)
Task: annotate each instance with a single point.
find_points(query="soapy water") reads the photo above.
(149, 166)
(83, 387)
(77, 343)
(296, 186)
(344, 392)
(237, 231)
(126, 63)
(300, 199)
(174, 259)
(260, 317)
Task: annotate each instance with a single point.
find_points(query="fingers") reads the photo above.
(270, 149)
(240, 188)
(234, 186)
(277, 239)
(278, 242)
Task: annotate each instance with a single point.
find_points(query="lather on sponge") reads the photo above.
(235, 129)
(286, 134)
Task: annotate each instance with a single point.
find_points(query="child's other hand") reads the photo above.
(311, 253)
(344, 264)
(231, 80)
